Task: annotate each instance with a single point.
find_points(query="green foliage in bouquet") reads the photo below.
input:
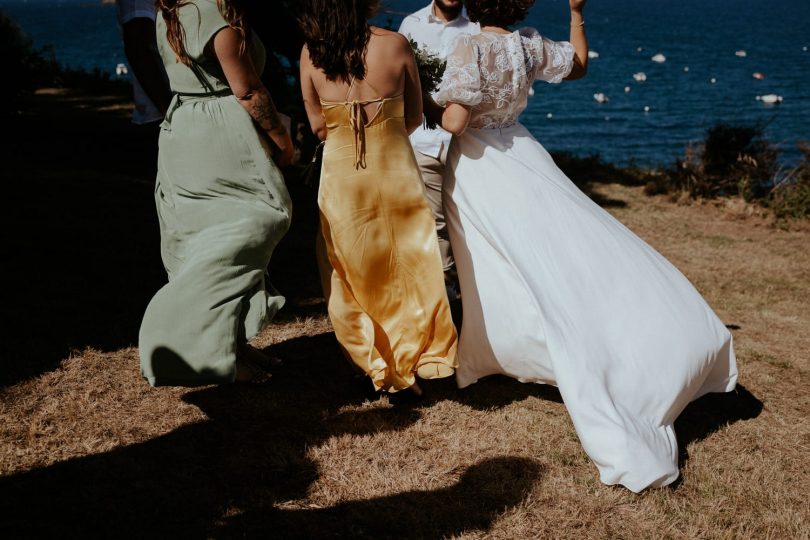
(431, 69)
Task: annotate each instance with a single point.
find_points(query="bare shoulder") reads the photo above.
(305, 64)
(389, 41)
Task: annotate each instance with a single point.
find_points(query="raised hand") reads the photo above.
(577, 5)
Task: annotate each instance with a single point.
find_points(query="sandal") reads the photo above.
(434, 370)
(252, 365)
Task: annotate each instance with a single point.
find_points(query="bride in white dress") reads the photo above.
(554, 289)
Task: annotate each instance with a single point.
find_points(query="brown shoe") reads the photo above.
(252, 365)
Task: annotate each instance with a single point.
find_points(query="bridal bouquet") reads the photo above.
(431, 69)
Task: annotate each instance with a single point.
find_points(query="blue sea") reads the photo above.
(699, 39)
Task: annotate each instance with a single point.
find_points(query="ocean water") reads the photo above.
(701, 35)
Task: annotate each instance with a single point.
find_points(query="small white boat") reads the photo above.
(646, 108)
(758, 76)
(659, 58)
(640, 49)
(640, 76)
(549, 115)
(121, 70)
(626, 89)
(741, 53)
(712, 80)
(686, 69)
(600, 97)
(770, 99)
(593, 54)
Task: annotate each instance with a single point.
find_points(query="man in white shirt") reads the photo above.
(150, 86)
(434, 28)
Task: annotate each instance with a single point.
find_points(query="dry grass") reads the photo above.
(89, 449)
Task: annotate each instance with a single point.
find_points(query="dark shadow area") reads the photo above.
(706, 415)
(485, 490)
(83, 231)
(83, 244)
(240, 472)
(492, 392)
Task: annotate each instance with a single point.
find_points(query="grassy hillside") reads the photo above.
(88, 449)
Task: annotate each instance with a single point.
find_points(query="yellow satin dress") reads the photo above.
(385, 288)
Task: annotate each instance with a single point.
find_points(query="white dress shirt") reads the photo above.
(126, 10)
(435, 35)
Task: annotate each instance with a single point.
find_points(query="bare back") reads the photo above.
(390, 71)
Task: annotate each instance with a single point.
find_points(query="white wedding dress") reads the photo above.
(557, 291)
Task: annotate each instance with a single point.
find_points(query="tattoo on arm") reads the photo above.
(263, 110)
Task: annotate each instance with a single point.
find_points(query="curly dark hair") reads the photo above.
(497, 12)
(336, 33)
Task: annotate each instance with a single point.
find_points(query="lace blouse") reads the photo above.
(493, 73)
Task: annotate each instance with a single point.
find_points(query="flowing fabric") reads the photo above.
(385, 287)
(222, 206)
(557, 291)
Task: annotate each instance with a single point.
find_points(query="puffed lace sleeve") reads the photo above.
(461, 82)
(549, 61)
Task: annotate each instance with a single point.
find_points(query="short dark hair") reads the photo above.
(497, 12)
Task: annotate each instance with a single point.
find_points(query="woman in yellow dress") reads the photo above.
(383, 281)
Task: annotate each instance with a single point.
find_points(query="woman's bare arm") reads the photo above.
(454, 118)
(250, 92)
(578, 40)
(312, 102)
(413, 88)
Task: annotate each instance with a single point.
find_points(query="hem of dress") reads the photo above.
(380, 376)
(189, 382)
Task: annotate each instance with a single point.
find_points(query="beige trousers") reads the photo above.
(433, 169)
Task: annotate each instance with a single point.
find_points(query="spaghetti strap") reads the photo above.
(354, 108)
(377, 99)
(351, 87)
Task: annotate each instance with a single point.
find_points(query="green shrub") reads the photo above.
(733, 160)
(790, 196)
(584, 171)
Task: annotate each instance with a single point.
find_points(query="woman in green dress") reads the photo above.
(221, 200)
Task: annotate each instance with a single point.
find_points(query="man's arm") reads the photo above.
(139, 47)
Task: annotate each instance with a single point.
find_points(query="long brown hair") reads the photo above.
(336, 33)
(232, 11)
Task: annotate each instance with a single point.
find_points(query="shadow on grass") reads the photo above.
(492, 392)
(243, 470)
(706, 415)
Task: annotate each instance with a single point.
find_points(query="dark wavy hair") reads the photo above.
(336, 33)
(232, 11)
(498, 12)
